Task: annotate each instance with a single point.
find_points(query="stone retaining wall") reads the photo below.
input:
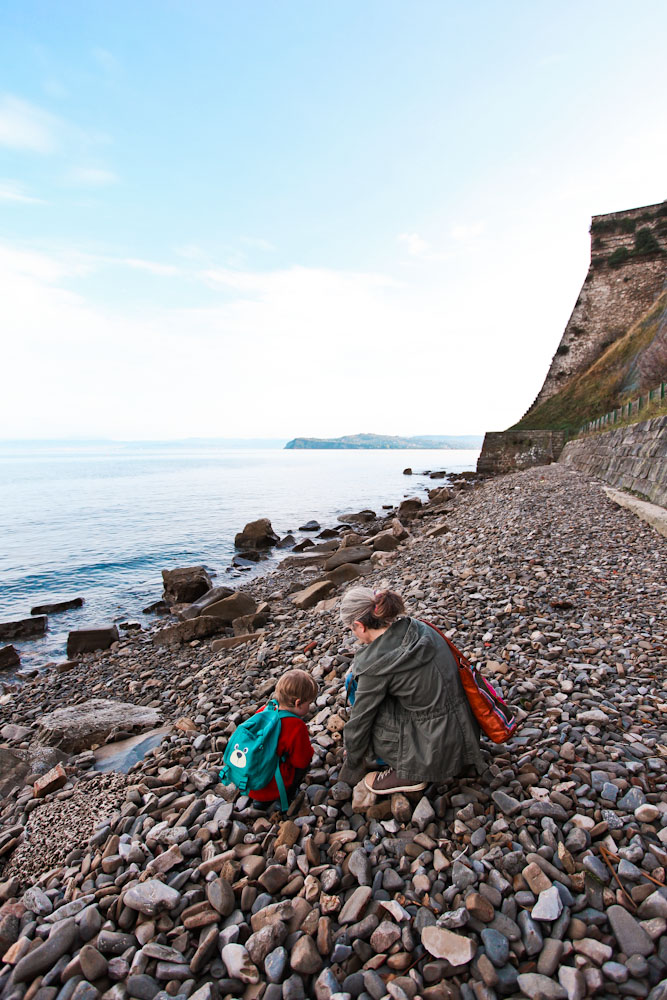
(631, 458)
(511, 451)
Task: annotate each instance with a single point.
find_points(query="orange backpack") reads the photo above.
(496, 719)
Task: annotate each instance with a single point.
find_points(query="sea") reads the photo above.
(101, 520)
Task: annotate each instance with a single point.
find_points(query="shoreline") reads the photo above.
(557, 594)
(40, 652)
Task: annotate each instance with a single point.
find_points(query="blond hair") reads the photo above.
(295, 685)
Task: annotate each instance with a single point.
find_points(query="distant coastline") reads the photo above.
(386, 441)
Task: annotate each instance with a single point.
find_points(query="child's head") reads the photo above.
(295, 691)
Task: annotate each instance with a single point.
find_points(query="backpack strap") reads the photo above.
(282, 792)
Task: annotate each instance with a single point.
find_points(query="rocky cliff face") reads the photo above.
(627, 273)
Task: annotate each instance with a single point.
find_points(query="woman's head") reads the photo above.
(374, 611)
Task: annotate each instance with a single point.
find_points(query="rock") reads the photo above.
(234, 606)
(384, 936)
(310, 526)
(646, 813)
(44, 956)
(344, 573)
(9, 658)
(309, 597)
(305, 957)
(221, 896)
(238, 963)
(351, 554)
(49, 782)
(78, 727)
(35, 899)
(212, 596)
(256, 535)
(441, 943)
(355, 905)
(152, 897)
(549, 905)
(632, 938)
(89, 639)
(24, 628)
(538, 987)
(423, 814)
(385, 541)
(232, 641)
(52, 609)
(507, 804)
(13, 733)
(185, 584)
(201, 627)
(409, 509)
(654, 905)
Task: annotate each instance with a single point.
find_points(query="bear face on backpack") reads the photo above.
(251, 758)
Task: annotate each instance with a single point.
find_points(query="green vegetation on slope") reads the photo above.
(385, 441)
(614, 378)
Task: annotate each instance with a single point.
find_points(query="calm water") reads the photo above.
(102, 521)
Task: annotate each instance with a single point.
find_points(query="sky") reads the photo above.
(282, 218)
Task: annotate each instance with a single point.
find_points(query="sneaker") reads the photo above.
(387, 781)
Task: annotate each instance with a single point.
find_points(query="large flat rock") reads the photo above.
(79, 727)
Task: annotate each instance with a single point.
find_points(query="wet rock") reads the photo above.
(23, 628)
(89, 639)
(256, 535)
(9, 658)
(185, 584)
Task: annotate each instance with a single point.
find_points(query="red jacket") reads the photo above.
(294, 744)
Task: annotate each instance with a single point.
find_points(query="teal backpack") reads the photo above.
(251, 757)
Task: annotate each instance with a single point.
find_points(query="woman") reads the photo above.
(410, 710)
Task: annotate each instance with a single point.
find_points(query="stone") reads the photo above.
(423, 814)
(49, 782)
(23, 628)
(236, 605)
(538, 987)
(507, 804)
(221, 896)
(45, 955)
(151, 897)
(312, 595)
(9, 658)
(632, 938)
(573, 982)
(88, 640)
(305, 958)
(384, 936)
(257, 534)
(202, 627)
(349, 554)
(212, 596)
(441, 943)
(78, 727)
(238, 963)
(654, 905)
(549, 905)
(52, 609)
(354, 907)
(35, 899)
(185, 584)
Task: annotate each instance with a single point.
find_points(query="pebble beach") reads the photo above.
(543, 878)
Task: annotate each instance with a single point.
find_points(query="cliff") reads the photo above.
(627, 273)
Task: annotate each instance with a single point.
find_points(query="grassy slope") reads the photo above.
(610, 381)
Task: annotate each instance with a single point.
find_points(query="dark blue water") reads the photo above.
(102, 521)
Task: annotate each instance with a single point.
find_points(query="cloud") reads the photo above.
(13, 191)
(415, 245)
(257, 243)
(465, 234)
(151, 266)
(25, 126)
(92, 176)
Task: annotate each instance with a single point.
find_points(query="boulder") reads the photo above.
(385, 541)
(344, 573)
(286, 542)
(52, 609)
(360, 517)
(250, 623)
(310, 526)
(185, 584)
(256, 535)
(311, 596)
(11, 732)
(196, 628)
(409, 508)
(234, 606)
(23, 628)
(89, 639)
(353, 554)
(78, 727)
(235, 640)
(211, 596)
(407, 472)
(9, 658)
(399, 530)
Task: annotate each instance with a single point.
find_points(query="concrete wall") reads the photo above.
(510, 451)
(611, 298)
(631, 458)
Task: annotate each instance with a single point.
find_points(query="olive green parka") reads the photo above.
(410, 709)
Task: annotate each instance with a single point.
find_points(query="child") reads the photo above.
(295, 692)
